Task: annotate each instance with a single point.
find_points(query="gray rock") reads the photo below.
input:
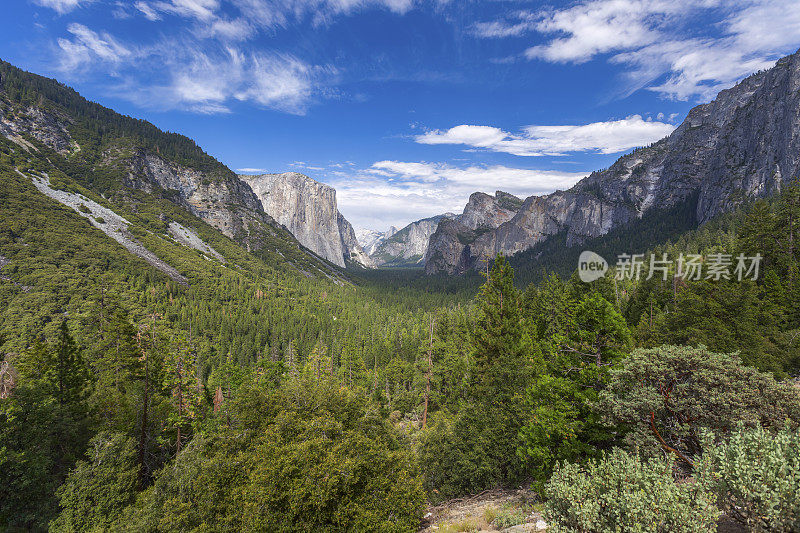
(409, 245)
(308, 210)
(450, 247)
(48, 127)
(745, 144)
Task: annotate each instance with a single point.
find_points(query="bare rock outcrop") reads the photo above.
(744, 144)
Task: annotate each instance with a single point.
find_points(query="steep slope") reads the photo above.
(742, 145)
(130, 167)
(307, 208)
(483, 212)
(407, 247)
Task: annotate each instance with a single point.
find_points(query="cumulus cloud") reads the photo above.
(601, 137)
(655, 40)
(398, 192)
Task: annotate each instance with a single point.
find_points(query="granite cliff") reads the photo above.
(744, 144)
(307, 208)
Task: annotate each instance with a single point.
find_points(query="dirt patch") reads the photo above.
(512, 511)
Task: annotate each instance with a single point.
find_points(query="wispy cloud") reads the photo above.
(261, 14)
(398, 192)
(176, 74)
(87, 46)
(204, 10)
(62, 6)
(248, 170)
(653, 39)
(600, 137)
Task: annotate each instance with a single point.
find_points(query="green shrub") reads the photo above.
(756, 477)
(305, 457)
(623, 493)
(510, 516)
(473, 451)
(83, 209)
(97, 489)
(672, 392)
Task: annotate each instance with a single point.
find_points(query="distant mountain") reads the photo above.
(121, 173)
(370, 239)
(482, 214)
(307, 208)
(407, 247)
(744, 144)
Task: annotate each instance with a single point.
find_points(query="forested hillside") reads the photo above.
(163, 371)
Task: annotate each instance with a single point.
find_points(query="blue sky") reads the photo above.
(405, 106)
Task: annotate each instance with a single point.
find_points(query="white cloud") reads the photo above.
(174, 74)
(249, 170)
(208, 82)
(62, 6)
(203, 10)
(399, 192)
(602, 137)
(523, 22)
(659, 42)
(264, 14)
(230, 30)
(277, 81)
(87, 46)
(147, 11)
(602, 26)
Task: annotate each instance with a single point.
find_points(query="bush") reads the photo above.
(622, 493)
(510, 516)
(671, 392)
(473, 451)
(99, 488)
(755, 475)
(305, 457)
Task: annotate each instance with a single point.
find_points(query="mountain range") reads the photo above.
(744, 144)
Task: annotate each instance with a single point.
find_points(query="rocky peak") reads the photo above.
(742, 145)
(486, 211)
(408, 246)
(370, 240)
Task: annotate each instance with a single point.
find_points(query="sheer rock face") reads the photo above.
(483, 212)
(220, 199)
(486, 211)
(409, 245)
(742, 145)
(449, 246)
(308, 210)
